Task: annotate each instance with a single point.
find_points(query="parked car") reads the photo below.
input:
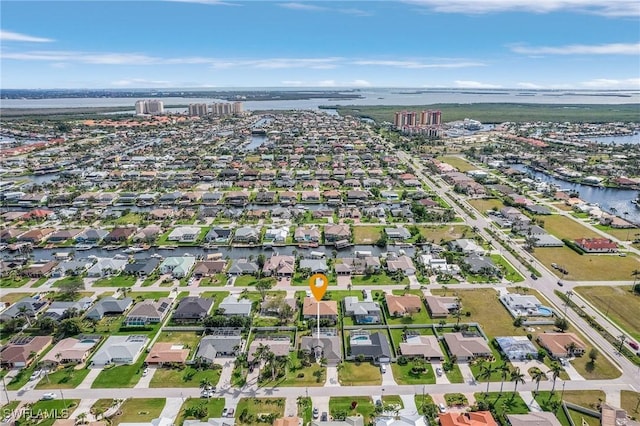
(35, 375)
(634, 345)
(560, 283)
(225, 410)
(324, 417)
(534, 276)
(230, 412)
(145, 371)
(49, 396)
(316, 413)
(439, 371)
(442, 408)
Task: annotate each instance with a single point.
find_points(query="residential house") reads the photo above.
(108, 306)
(218, 235)
(328, 309)
(27, 306)
(367, 312)
(279, 266)
(561, 345)
(305, 234)
(247, 234)
(57, 310)
(178, 266)
(466, 246)
(327, 345)
(314, 265)
(242, 267)
(538, 418)
(221, 343)
(209, 268)
(192, 309)
(333, 233)
(402, 263)
(371, 346)
(478, 264)
(232, 306)
(278, 235)
(421, 346)
(348, 421)
(398, 233)
(441, 306)
(120, 350)
(118, 235)
(38, 270)
(148, 312)
(466, 347)
(401, 420)
(142, 267)
(360, 265)
(184, 234)
(517, 348)
(91, 236)
(106, 266)
(237, 198)
(405, 305)
(71, 350)
(597, 245)
(148, 234)
(279, 345)
(471, 418)
(63, 235)
(287, 421)
(163, 353)
(35, 236)
(22, 350)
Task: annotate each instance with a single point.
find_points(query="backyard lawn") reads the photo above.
(254, 411)
(618, 303)
(588, 267)
(139, 410)
(63, 378)
(359, 374)
(183, 377)
(189, 410)
(352, 406)
(298, 375)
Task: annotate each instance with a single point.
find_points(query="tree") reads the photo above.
(556, 369)
(593, 354)
(486, 370)
(70, 327)
(517, 377)
(504, 372)
(537, 376)
(70, 288)
(81, 419)
(26, 314)
(635, 274)
(263, 286)
(561, 324)
(622, 339)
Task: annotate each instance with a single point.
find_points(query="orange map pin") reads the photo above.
(318, 284)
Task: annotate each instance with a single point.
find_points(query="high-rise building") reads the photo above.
(150, 107)
(226, 108)
(426, 123)
(198, 110)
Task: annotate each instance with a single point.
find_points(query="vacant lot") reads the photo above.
(618, 303)
(213, 407)
(588, 267)
(366, 234)
(445, 232)
(621, 234)
(139, 410)
(563, 227)
(458, 163)
(352, 406)
(630, 401)
(484, 204)
(359, 374)
(252, 411)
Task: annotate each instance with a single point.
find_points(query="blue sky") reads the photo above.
(542, 44)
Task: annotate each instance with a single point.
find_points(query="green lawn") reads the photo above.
(620, 304)
(508, 271)
(212, 406)
(443, 233)
(298, 375)
(139, 410)
(422, 401)
(367, 234)
(183, 377)
(563, 227)
(630, 401)
(588, 399)
(404, 375)
(622, 234)
(50, 410)
(122, 376)
(117, 281)
(601, 369)
(63, 378)
(189, 339)
(342, 406)
(362, 374)
(459, 163)
(13, 297)
(249, 280)
(216, 280)
(484, 204)
(254, 411)
(17, 281)
(144, 295)
(40, 281)
(305, 409)
(375, 279)
(588, 267)
(507, 403)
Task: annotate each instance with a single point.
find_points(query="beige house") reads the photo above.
(467, 348)
(561, 345)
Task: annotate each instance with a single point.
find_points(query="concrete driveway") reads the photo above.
(322, 404)
(225, 374)
(332, 376)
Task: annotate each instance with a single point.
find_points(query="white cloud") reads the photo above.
(327, 83)
(612, 8)
(527, 85)
(606, 83)
(11, 36)
(469, 84)
(315, 8)
(415, 64)
(359, 83)
(581, 49)
(293, 83)
(83, 57)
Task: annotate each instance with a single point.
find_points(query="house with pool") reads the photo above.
(524, 305)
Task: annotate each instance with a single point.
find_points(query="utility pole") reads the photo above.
(4, 386)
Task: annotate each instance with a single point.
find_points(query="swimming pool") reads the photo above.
(544, 311)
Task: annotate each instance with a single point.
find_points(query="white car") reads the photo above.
(442, 407)
(35, 375)
(49, 396)
(225, 411)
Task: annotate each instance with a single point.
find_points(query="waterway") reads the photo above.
(607, 198)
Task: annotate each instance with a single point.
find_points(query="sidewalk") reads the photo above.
(528, 398)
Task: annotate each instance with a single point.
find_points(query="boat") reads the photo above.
(82, 247)
(156, 256)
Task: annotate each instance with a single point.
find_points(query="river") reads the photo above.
(607, 198)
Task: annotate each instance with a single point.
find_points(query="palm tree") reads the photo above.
(537, 376)
(82, 418)
(504, 372)
(556, 369)
(486, 370)
(261, 354)
(205, 384)
(517, 377)
(24, 313)
(635, 273)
